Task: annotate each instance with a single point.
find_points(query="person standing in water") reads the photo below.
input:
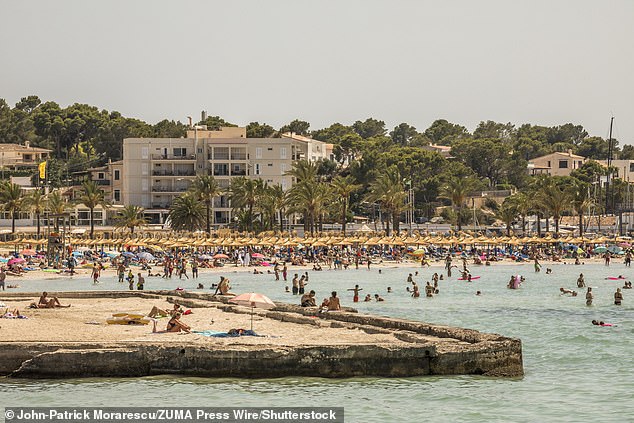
(356, 290)
(538, 267)
(581, 283)
(415, 290)
(589, 296)
(618, 297)
(295, 283)
(448, 264)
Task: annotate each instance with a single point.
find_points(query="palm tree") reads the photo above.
(57, 205)
(36, 202)
(456, 189)
(507, 212)
(92, 197)
(524, 207)
(271, 204)
(342, 187)
(131, 217)
(11, 197)
(388, 190)
(580, 200)
(303, 170)
(244, 195)
(555, 201)
(278, 201)
(187, 213)
(205, 187)
(308, 197)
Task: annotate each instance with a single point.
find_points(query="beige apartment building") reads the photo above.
(157, 170)
(18, 156)
(555, 164)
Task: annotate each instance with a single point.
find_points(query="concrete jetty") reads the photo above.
(76, 342)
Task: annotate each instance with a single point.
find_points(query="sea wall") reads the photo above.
(426, 349)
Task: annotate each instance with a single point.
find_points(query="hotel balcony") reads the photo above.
(173, 173)
(173, 157)
(162, 188)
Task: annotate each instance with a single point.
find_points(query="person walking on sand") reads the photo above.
(538, 267)
(618, 297)
(589, 296)
(606, 258)
(356, 289)
(95, 273)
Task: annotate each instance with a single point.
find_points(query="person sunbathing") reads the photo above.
(53, 302)
(175, 325)
(158, 312)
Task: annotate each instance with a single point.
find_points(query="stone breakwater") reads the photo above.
(334, 345)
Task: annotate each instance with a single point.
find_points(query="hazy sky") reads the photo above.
(540, 61)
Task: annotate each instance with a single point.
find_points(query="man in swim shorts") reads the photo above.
(356, 290)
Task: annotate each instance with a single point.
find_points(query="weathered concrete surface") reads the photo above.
(425, 349)
(96, 360)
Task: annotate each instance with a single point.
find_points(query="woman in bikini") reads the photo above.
(175, 325)
(46, 302)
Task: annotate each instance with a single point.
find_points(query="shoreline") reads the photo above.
(231, 268)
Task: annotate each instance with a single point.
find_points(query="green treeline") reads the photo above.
(367, 155)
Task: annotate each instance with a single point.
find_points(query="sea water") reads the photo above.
(574, 371)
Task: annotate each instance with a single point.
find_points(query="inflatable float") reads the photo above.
(612, 278)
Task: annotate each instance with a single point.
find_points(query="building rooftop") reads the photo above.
(25, 148)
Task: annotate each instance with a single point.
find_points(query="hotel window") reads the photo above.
(100, 175)
(258, 153)
(563, 164)
(631, 167)
(145, 152)
(144, 169)
(282, 168)
(180, 152)
(144, 185)
(117, 175)
(257, 169)
(283, 153)
(117, 195)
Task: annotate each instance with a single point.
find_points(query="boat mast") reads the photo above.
(609, 174)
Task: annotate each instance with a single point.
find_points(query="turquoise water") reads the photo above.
(574, 371)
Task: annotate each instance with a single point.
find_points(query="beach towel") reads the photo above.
(231, 334)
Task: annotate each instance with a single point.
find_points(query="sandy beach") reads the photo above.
(85, 321)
